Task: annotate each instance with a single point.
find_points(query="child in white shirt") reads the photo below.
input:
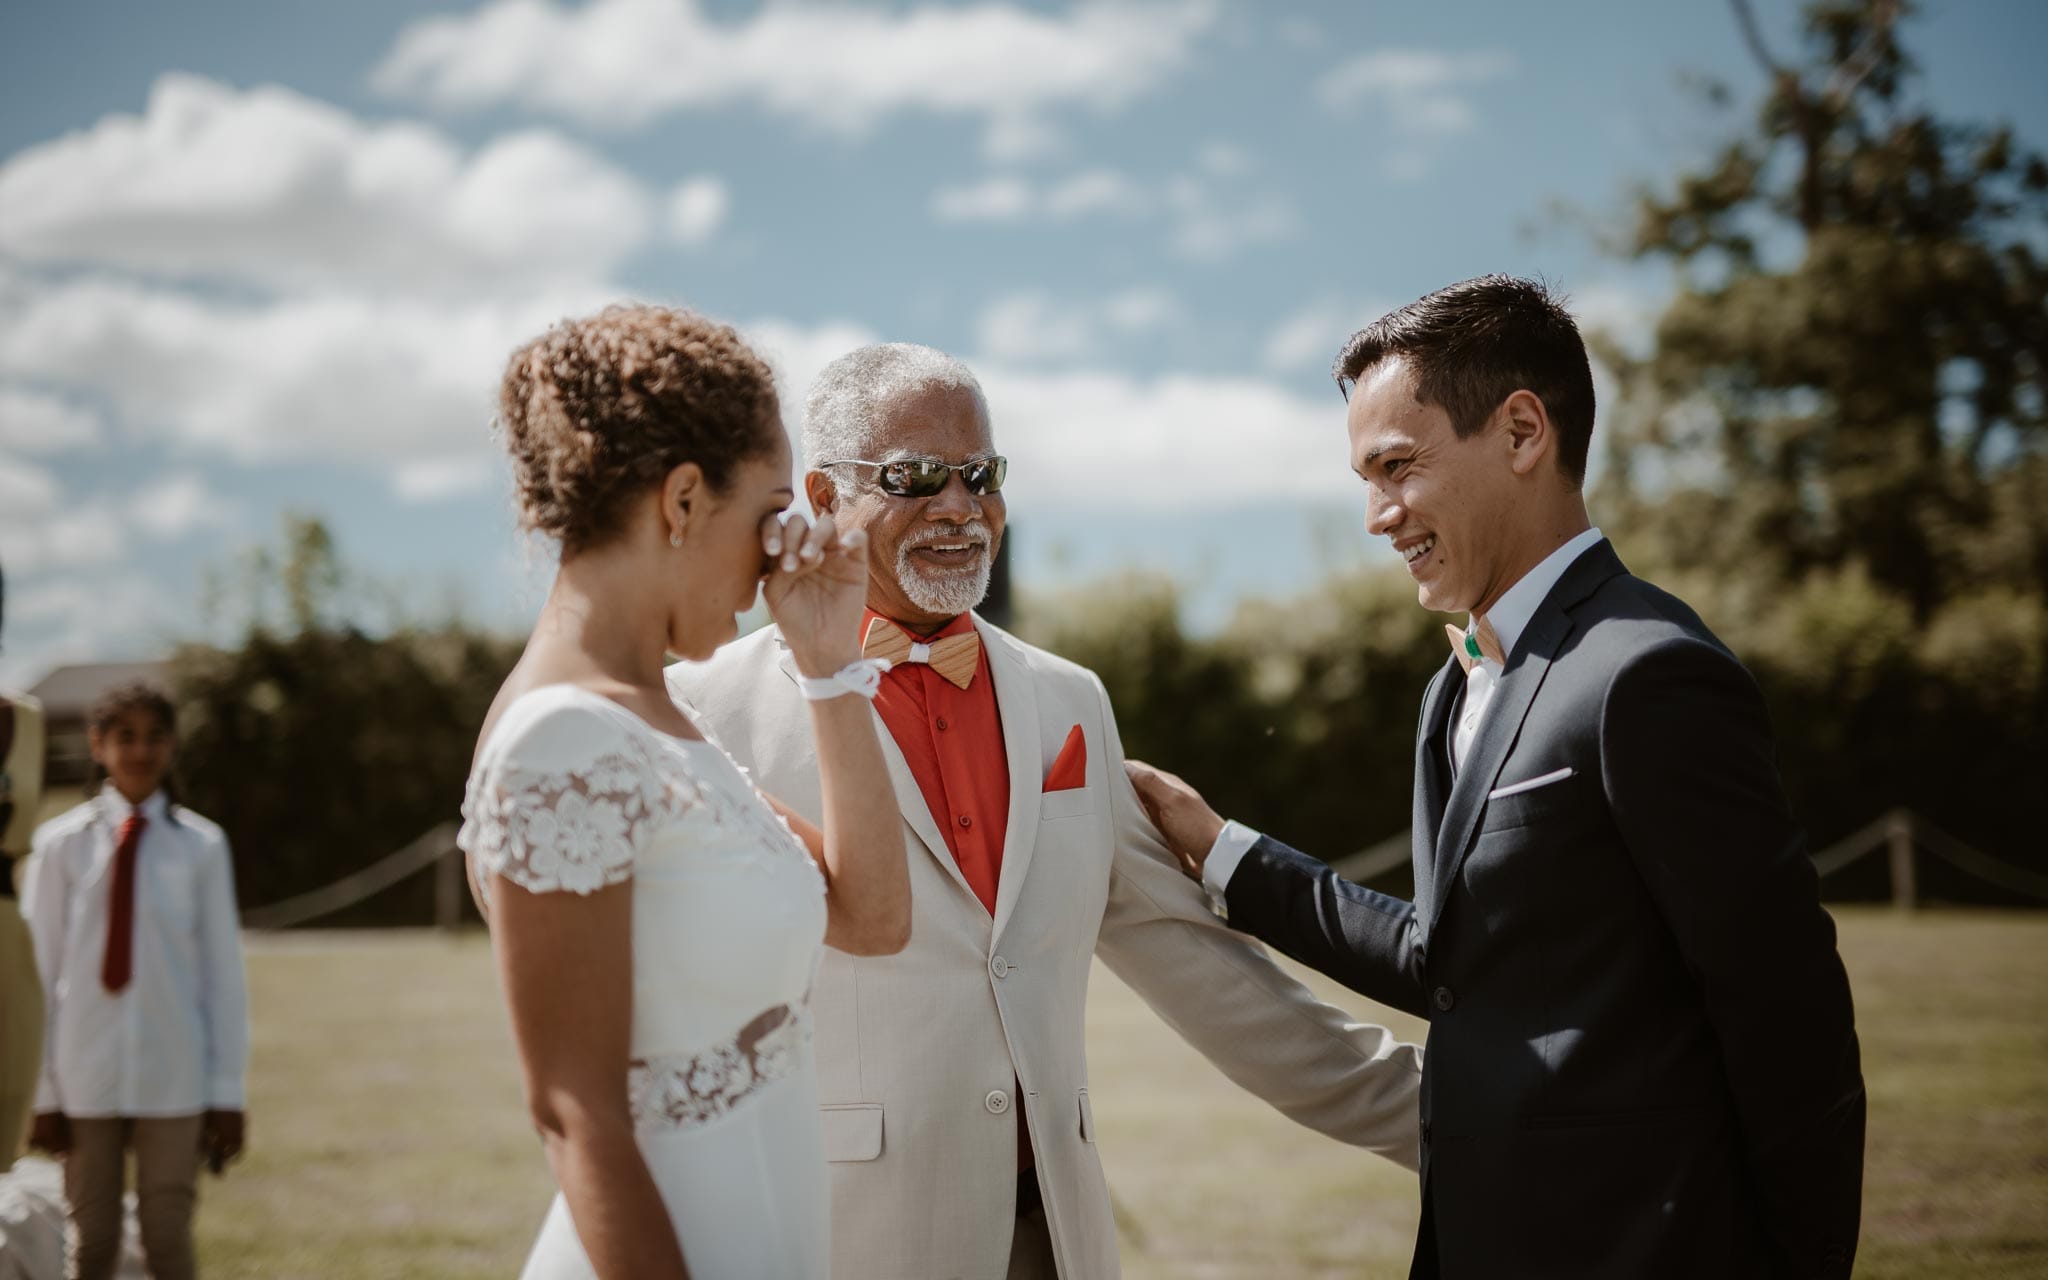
(131, 902)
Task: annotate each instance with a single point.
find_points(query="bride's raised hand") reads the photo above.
(816, 589)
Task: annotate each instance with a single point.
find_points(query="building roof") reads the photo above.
(66, 692)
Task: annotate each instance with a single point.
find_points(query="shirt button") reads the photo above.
(942, 724)
(999, 967)
(1444, 999)
(965, 822)
(997, 1102)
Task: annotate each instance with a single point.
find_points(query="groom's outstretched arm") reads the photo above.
(1364, 939)
(1368, 941)
(1223, 994)
(1692, 779)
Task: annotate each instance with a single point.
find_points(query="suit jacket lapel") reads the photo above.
(910, 800)
(1017, 699)
(1432, 782)
(1520, 681)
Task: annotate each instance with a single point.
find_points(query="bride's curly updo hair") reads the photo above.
(599, 408)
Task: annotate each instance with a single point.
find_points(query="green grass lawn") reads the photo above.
(388, 1139)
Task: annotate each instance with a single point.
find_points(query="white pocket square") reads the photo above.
(1517, 788)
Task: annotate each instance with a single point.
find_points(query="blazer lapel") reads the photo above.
(910, 800)
(1432, 782)
(1520, 682)
(1017, 699)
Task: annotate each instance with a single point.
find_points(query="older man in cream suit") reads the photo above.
(953, 1076)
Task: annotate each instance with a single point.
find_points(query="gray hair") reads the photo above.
(843, 418)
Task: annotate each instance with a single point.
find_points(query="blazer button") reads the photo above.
(999, 967)
(1444, 999)
(997, 1102)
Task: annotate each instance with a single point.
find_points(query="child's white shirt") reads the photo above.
(175, 1040)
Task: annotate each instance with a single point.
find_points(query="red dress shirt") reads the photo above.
(952, 739)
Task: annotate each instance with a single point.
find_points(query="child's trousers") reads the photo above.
(166, 1187)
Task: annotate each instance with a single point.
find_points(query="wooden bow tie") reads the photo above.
(954, 657)
(1486, 643)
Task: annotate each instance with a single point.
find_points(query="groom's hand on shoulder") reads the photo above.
(1188, 824)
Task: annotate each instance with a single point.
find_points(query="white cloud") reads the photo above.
(996, 199)
(83, 618)
(1007, 198)
(1225, 160)
(1418, 87)
(177, 505)
(798, 354)
(1210, 225)
(269, 187)
(1625, 312)
(838, 67)
(1209, 214)
(1077, 438)
(1020, 137)
(43, 528)
(33, 422)
(374, 381)
(27, 491)
(1103, 191)
(1420, 92)
(1140, 310)
(1309, 337)
(438, 479)
(1302, 34)
(697, 209)
(1031, 327)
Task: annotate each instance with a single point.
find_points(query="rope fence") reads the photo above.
(435, 847)
(1901, 833)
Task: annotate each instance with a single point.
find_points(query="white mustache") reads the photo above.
(972, 531)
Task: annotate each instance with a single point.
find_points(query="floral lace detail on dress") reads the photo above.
(683, 1091)
(574, 830)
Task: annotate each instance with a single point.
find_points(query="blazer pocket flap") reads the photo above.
(1530, 784)
(853, 1131)
(1556, 796)
(1066, 804)
(1087, 1119)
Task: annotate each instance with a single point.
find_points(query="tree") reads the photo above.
(1860, 338)
(1838, 448)
(319, 747)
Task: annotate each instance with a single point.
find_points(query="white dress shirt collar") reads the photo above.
(115, 807)
(1511, 613)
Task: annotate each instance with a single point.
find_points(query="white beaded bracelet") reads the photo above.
(863, 677)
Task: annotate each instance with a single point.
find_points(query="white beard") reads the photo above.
(944, 593)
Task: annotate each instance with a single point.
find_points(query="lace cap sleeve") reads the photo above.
(563, 797)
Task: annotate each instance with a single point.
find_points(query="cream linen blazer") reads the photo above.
(922, 1055)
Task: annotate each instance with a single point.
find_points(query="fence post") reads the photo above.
(448, 890)
(1899, 839)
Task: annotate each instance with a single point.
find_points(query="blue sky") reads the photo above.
(260, 257)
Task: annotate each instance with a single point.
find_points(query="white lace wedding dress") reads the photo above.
(571, 793)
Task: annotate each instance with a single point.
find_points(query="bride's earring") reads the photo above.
(675, 537)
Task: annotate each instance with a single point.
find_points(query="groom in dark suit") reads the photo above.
(1642, 1058)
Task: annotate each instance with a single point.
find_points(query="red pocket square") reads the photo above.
(1071, 769)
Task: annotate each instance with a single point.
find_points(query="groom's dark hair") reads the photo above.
(1475, 343)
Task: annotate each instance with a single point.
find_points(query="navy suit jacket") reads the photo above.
(1642, 1056)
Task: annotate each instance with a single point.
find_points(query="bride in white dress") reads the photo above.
(656, 920)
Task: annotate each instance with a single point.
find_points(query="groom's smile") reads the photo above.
(1416, 552)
